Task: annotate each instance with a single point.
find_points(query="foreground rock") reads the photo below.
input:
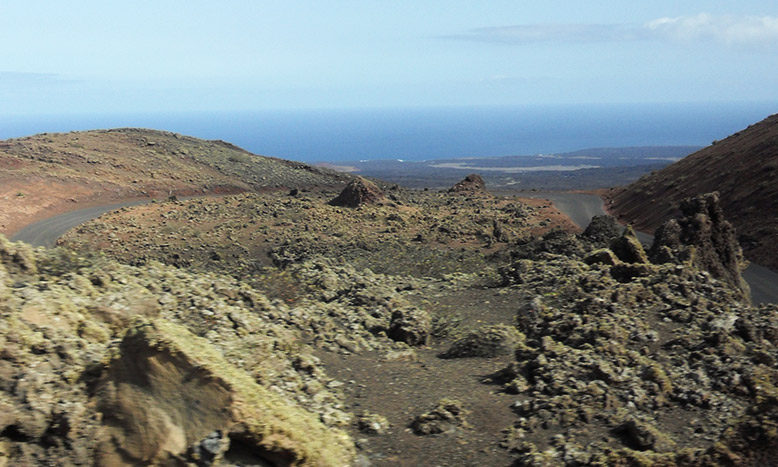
(485, 343)
(705, 239)
(631, 363)
(167, 391)
(105, 364)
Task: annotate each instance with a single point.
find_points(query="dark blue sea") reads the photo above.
(430, 133)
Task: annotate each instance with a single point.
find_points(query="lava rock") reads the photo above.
(473, 183)
(602, 256)
(410, 325)
(705, 238)
(165, 386)
(446, 417)
(359, 191)
(628, 248)
(601, 230)
(487, 342)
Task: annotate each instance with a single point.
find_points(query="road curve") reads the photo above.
(46, 232)
(581, 208)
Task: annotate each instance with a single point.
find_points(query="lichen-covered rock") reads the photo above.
(56, 329)
(704, 238)
(751, 441)
(410, 325)
(604, 256)
(166, 389)
(628, 248)
(17, 256)
(471, 184)
(642, 436)
(359, 191)
(487, 342)
(555, 242)
(371, 423)
(601, 230)
(447, 416)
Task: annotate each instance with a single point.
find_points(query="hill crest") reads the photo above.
(50, 173)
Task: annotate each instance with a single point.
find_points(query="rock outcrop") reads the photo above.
(703, 238)
(628, 248)
(101, 364)
(743, 168)
(167, 392)
(488, 342)
(601, 230)
(359, 191)
(472, 184)
(447, 417)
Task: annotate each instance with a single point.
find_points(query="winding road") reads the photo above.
(579, 207)
(46, 232)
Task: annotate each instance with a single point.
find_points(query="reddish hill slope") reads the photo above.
(47, 174)
(743, 168)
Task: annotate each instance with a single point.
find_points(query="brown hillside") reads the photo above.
(50, 173)
(743, 168)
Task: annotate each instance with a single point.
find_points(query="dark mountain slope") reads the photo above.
(743, 168)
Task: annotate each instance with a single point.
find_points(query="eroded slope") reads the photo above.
(743, 168)
(49, 173)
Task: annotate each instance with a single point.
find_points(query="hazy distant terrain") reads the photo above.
(580, 170)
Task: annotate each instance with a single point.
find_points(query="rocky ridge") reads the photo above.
(601, 353)
(743, 168)
(96, 357)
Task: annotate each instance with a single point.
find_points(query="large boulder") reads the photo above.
(601, 230)
(447, 417)
(472, 184)
(488, 342)
(703, 238)
(359, 191)
(410, 325)
(167, 395)
(628, 247)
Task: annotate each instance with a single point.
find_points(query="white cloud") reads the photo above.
(759, 31)
(730, 30)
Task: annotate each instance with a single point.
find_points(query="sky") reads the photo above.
(169, 55)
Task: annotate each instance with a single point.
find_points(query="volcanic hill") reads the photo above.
(409, 327)
(51, 173)
(743, 168)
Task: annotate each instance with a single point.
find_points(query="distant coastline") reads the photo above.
(416, 134)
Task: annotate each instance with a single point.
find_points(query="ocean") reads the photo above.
(430, 133)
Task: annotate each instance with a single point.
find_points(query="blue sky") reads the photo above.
(96, 56)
